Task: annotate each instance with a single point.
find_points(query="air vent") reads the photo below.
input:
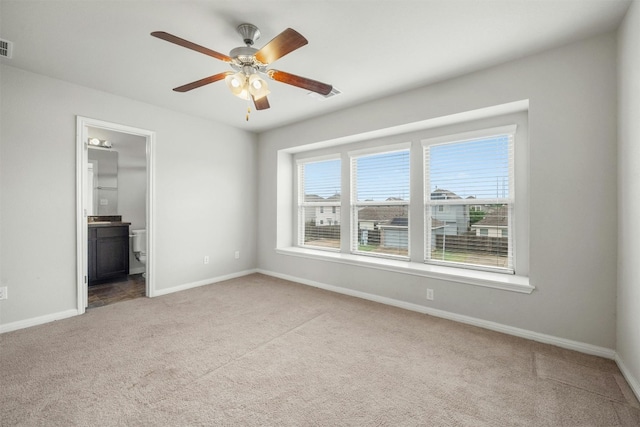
(6, 48)
(334, 92)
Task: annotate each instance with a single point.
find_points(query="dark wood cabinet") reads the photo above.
(108, 253)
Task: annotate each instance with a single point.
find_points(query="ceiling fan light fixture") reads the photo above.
(237, 84)
(258, 88)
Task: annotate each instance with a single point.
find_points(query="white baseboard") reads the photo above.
(34, 321)
(631, 380)
(137, 270)
(510, 330)
(204, 282)
(13, 326)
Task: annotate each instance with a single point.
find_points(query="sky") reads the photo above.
(478, 168)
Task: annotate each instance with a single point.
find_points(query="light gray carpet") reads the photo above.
(263, 351)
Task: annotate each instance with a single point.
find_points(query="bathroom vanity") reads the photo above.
(108, 256)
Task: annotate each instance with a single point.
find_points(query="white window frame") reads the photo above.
(287, 223)
(354, 204)
(509, 130)
(302, 204)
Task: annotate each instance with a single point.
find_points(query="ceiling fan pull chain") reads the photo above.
(248, 108)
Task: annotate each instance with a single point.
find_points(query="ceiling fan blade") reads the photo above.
(284, 43)
(202, 82)
(261, 104)
(189, 45)
(302, 82)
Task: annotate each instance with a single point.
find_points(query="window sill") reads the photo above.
(507, 282)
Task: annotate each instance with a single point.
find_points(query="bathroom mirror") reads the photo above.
(103, 180)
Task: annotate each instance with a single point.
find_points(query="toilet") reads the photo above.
(139, 245)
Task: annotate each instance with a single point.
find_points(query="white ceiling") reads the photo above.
(366, 49)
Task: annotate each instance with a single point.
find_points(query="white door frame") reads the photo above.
(82, 137)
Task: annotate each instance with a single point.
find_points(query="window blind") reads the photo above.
(319, 184)
(380, 203)
(469, 196)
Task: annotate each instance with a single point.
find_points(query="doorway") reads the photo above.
(134, 194)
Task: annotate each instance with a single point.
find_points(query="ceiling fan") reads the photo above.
(250, 64)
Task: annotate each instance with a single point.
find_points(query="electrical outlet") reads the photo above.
(237, 255)
(430, 294)
(3, 292)
(206, 259)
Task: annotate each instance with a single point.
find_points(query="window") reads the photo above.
(460, 172)
(467, 195)
(319, 187)
(380, 202)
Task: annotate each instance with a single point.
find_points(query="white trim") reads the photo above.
(380, 149)
(321, 204)
(382, 203)
(451, 119)
(486, 324)
(82, 125)
(81, 218)
(633, 382)
(35, 321)
(316, 159)
(204, 282)
(471, 135)
(506, 282)
(40, 320)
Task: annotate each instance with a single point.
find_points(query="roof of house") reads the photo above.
(442, 194)
(312, 198)
(381, 213)
(436, 223)
(402, 221)
(498, 217)
(316, 198)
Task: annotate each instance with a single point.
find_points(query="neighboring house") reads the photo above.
(474, 207)
(494, 224)
(370, 217)
(454, 217)
(322, 215)
(395, 233)
(376, 218)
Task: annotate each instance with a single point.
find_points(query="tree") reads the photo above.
(475, 216)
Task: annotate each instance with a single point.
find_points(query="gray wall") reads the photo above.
(205, 192)
(629, 195)
(573, 226)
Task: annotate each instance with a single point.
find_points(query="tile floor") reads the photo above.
(131, 287)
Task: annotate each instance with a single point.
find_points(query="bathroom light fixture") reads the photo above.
(99, 143)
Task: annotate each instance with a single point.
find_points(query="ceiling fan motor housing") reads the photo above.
(244, 57)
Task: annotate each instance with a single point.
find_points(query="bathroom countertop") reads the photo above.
(108, 224)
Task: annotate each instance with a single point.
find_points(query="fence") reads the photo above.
(313, 232)
(472, 243)
(454, 243)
